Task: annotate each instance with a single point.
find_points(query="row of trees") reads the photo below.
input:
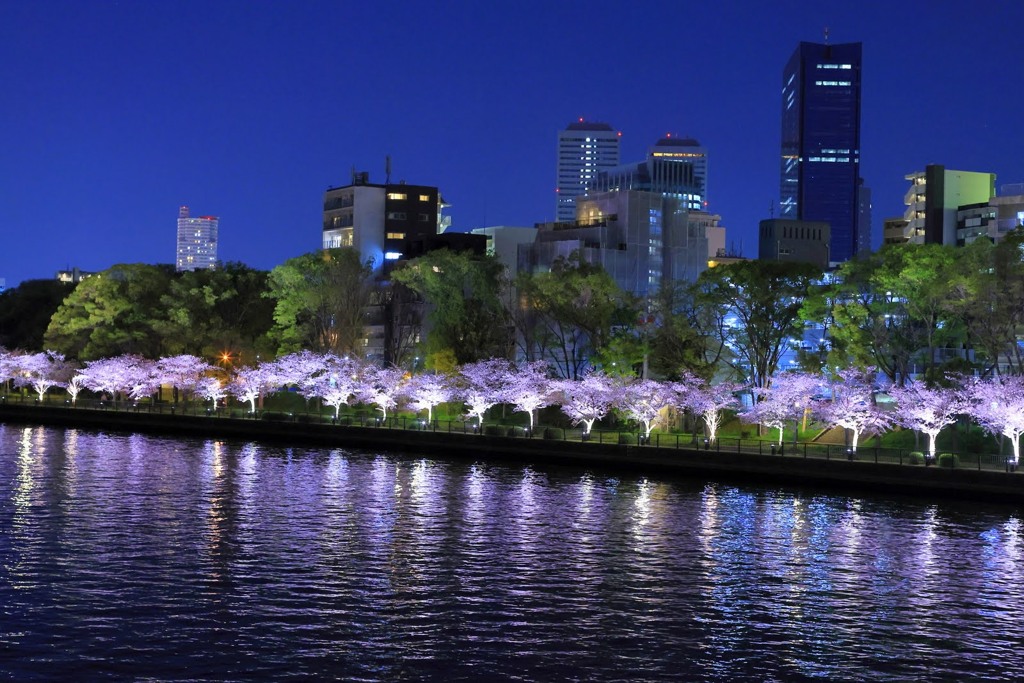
(997, 404)
(906, 310)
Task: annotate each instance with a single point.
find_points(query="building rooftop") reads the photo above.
(589, 125)
(677, 142)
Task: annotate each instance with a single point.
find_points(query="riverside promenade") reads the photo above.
(870, 470)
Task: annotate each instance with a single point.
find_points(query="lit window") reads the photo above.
(392, 255)
(424, 197)
(400, 196)
(396, 235)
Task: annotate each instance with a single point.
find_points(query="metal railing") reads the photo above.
(657, 440)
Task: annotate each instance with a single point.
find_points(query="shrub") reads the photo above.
(274, 416)
(627, 439)
(916, 458)
(553, 434)
(948, 460)
(494, 430)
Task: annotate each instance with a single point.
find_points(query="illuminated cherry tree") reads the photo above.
(481, 385)
(853, 405)
(710, 401)
(7, 366)
(643, 400)
(296, 369)
(118, 375)
(185, 373)
(997, 404)
(211, 389)
(249, 383)
(74, 387)
(587, 400)
(330, 378)
(41, 371)
(528, 388)
(786, 399)
(426, 391)
(382, 387)
(927, 410)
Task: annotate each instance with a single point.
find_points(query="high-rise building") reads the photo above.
(642, 239)
(584, 148)
(684, 151)
(933, 198)
(197, 241)
(673, 167)
(380, 221)
(821, 141)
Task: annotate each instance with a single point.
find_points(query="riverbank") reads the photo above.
(677, 458)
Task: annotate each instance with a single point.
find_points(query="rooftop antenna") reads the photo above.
(387, 169)
(353, 174)
(771, 208)
(826, 35)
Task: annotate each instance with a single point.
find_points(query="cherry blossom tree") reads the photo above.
(643, 400)
(528, 388)
(428, 390)
(332, 379)
(382, 387)
(41, 371)
(211, 389)
(249, 383)
(707, 400)
(297, 369)
(997, 404)
(74, 387)
(185, 373)
(7, 366)
(117, 375)
(927, 410)
(853, 405)
(788, 397)
(587, 400)
(481, 385)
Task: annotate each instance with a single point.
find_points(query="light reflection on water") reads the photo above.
(134, 556)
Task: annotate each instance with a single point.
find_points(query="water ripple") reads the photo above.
(135, 557)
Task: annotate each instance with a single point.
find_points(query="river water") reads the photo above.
(128, 557)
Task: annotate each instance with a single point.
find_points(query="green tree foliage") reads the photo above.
(321, 302)
(685, 336)
(991, 302)
(894, 307)
(570, 314)
(763, 299)
(206, 312)
(465, 310)
(25, 312)
(112, 313)
(153, 311)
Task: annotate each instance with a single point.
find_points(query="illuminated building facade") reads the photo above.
(642, 239)
(380, 221)
(933, 199)
(674, 170)
(197, 241)
(584, 149)
(820, 165)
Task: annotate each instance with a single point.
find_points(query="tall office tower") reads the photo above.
(197, 241)
(684, 151)
(584, 148)
(674, 167)
(821, 140)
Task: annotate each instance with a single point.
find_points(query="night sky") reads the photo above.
(116, 113)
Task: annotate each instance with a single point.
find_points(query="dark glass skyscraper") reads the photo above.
(821, 140)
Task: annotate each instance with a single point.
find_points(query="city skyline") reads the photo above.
(123, 114)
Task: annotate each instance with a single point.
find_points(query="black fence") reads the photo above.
(674, 441)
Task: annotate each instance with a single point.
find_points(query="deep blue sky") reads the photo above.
(115, 113)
